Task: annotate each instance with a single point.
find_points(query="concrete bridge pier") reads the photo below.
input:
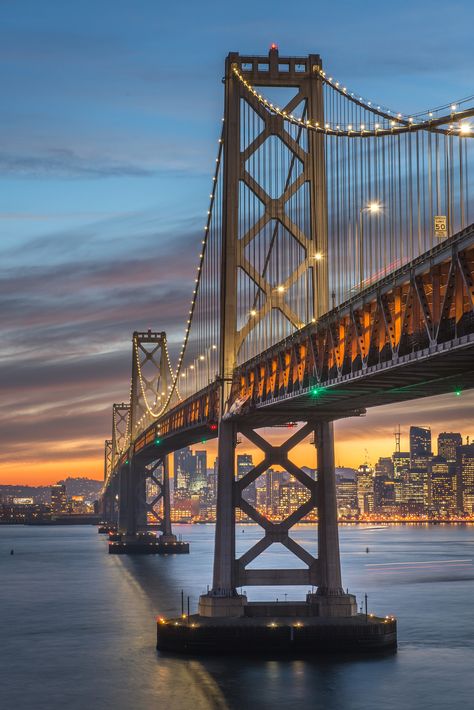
(327, 620)
(134, 537)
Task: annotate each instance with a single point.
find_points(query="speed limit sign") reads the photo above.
(440, 226)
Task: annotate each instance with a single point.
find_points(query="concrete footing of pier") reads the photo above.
(148, 545)
(284, 628)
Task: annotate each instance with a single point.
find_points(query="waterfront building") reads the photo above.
(465, 477)
(292, 495)
(346, 491)
(416, 491)
(443, 488)
(401, 466)
(183, 466)
(198, 472)
(244, 465)
(365, 488)
(58, 499)
(274, 479)
(384, 494)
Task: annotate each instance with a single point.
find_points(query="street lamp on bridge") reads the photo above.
(372, 208)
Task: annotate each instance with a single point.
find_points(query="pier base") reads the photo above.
(260, 631)
(147, 545)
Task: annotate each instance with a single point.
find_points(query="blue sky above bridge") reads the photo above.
(109, 124)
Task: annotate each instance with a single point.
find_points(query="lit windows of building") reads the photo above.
(465, 477)
(58, 499)
(448, 443)
(443, 487)
(244, 465)
(346, 491)
(365, 488)
(420, 440)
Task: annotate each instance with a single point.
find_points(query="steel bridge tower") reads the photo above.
(149, 390)
(301, 74)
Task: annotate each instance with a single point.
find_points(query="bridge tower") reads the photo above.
(309, 236)
(149, 393)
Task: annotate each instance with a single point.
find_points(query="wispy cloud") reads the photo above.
(67, 164)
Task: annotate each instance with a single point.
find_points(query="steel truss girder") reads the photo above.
(426, 303)
(275, 532)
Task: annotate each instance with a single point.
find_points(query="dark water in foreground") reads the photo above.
(77, 626)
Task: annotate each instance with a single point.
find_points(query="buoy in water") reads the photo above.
(367, 549)
(12, 552)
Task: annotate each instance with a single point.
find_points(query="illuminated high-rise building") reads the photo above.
(244, 465)
(346, 491)
(58, 499)
(401, 466)
(274, 480)
(292, 495)
(465, 477)
(420, 441)
(443, 488)
(198, 478)
(365, 488)
(448, 443)
(183, 466)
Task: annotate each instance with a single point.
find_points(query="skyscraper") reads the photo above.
(465, 477)
(244, 465)
(365, 488)
(444, 500)
(401, 466)
(420, 441)
(198, 477)
(183, 468)
(58, 499)
(448, 443)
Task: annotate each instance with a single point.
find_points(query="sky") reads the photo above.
(109, 120)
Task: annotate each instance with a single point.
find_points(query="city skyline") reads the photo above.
(94, 235)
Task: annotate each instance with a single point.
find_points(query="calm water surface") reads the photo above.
(78, 625)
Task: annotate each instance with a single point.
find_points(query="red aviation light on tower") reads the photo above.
(273, 47)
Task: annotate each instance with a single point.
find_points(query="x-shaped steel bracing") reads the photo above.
(276, 532)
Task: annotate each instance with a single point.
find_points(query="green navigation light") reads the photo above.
(157, 442)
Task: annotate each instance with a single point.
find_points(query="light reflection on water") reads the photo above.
(78, 625)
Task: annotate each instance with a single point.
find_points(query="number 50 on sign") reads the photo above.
(440, 226)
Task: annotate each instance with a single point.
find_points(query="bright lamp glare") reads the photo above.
(465, 128)
(374, 207)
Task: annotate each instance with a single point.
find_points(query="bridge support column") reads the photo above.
(330, 597)
(223, 600)
(167, 533)
(123, 500)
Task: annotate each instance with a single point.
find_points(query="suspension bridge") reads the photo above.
(335, 272)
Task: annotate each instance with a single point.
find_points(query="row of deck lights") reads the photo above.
(465, 129)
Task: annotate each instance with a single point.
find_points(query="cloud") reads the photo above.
(67, 164)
